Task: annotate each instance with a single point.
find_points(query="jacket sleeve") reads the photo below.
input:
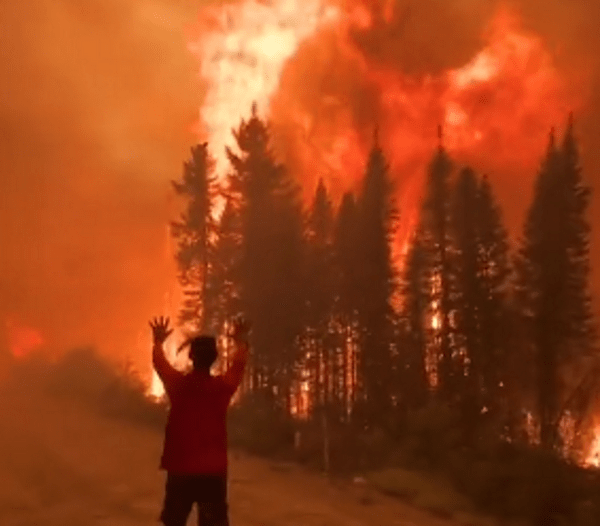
(168, 375)
(234, 375)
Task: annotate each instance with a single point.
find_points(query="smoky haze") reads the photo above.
(97, 105)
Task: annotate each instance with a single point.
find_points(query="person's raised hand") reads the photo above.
(160, 329)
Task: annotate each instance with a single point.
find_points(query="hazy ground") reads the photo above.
(61, 465)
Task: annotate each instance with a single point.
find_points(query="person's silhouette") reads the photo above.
(195, 447)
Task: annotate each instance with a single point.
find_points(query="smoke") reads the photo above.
(97, 106)
(96, 114)
(490, 80)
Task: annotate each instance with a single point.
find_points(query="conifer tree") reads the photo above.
(223, 284)
(467, 296)
(271, 245)
(577, 196)
(436, 243)
(582, 352)
(553, 283)
(493, 271)
(320, 296)
(479, 260)
(346, 295)
(376, 282)
(412, 377)
(194, 233)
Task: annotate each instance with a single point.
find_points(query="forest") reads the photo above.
(459, 336)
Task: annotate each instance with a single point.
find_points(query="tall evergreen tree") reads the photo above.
(493, 270)
(376, 282)
(582, 330)
(223, 283)
(346, 295)
(412, 377)
(320, 292)
(467, 296)
(553, 267)
(194, 233)
(577, 196)
(271, 236)
(436, 243)
(480, 263)
(541, 268)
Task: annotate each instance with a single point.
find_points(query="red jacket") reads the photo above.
(196, 431)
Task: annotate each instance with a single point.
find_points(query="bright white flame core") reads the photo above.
(242, 49)
(157, 389)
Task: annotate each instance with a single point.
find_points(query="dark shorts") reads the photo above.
(209, 492)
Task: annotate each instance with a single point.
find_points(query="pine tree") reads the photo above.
(376, 282)
(581, 326)
(480, 263)
(320, 293)
(553, 267)
(467, 296)
(194, 234)
(412, 377)
(540, 271)
(493, 271)
(223, 284)
(271, 244)
(346, 295)
(581, 357)
(436, 243)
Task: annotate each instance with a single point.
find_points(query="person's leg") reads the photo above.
(211, 496)
(179, 498)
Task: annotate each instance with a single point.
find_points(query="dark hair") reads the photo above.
(203, 352)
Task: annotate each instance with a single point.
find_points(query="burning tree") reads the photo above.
(412, 374)
(320, 298)
(376, 282)
(435, 239)
(480, 265)
(194, 233)
(269, 276)
(347, 299)
(553, 268)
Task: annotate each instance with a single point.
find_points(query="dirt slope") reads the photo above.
(61, 466)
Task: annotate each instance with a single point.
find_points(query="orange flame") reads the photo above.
(593, 455)
(242, 49)
(156, 389)
(285, 54)
(323, 95)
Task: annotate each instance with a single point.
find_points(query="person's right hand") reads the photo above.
(160, 330)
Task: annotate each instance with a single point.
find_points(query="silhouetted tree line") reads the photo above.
(340, 332)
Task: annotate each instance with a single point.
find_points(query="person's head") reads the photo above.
(203, 352)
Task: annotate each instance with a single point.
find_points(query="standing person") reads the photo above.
(195, 447)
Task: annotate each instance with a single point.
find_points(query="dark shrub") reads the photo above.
(259, 426)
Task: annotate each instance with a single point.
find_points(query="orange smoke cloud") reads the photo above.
(22, 339)
(326, 82)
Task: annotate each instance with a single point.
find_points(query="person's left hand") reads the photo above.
(160, 329)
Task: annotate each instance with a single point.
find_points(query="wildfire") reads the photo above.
(242, 49)
(593, 456)
(300, 61)
(436, 322)
(323, 94)
(156, 389)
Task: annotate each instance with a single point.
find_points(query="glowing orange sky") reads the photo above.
(96, 117)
